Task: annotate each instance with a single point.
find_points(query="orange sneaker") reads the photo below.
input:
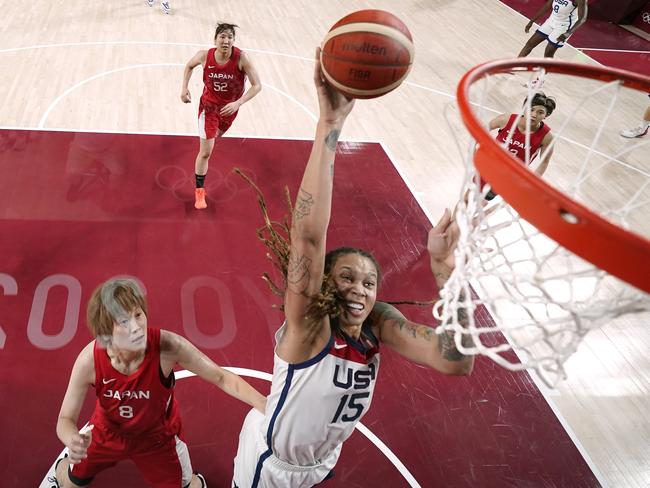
(199, 199)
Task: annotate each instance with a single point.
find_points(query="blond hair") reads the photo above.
(109, 302)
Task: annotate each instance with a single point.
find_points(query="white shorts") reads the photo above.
(257, 467)
(552, 29)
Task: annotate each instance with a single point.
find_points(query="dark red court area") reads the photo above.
(79, 208)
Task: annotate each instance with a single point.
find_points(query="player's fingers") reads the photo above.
(318, 74)
(443, 223)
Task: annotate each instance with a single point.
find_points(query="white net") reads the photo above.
(529, 301)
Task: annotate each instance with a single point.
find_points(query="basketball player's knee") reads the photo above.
(62, 477)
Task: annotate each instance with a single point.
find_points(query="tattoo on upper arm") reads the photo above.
(447, 344)
(332, 138)
(304, 202)
(388, 313)
(298, 271)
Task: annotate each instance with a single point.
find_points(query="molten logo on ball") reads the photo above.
(367, 54)
(366, 47)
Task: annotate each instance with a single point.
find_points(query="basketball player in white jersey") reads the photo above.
(566, 16)
(328, 349)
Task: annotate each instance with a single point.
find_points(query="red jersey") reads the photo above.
(142, 402)
(224, 83)
(518, 141)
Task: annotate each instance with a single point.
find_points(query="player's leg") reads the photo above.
(200, 170)
(553, 43)
(540, 35)
(535, 40)
(104, 452)
(166, 464)
(61, 474)
(550, 50)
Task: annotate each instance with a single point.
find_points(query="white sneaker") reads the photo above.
(150, 2)
(639, 131)
(535, 85)
(165, 7)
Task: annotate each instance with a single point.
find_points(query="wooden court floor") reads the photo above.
(117, 67)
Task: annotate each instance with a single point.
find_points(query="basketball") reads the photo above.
(367, 53)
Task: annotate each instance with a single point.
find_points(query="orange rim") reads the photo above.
(620, 252)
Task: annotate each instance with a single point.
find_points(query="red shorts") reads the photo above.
(162, 459)
(211, 124)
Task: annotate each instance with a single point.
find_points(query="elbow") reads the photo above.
(458, 368)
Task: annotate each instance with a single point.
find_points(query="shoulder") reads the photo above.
(170, 342)
(500, 121)
(84, 366)
(87, 353)
(244, 60)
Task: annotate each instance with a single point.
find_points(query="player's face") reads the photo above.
(130, 331)
(224, 40)
(355, 278)
(537, 114)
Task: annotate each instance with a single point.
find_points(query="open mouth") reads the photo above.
(354, 308)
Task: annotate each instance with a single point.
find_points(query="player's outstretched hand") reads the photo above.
(443, 238)
(78, 445)
(528, 26)
(334, 106)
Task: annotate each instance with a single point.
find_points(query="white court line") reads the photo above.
(154, 43)
(611, 50)
(253, 373)
(49, 109)
(234, 135)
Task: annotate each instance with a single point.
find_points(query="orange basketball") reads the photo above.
(367, 53)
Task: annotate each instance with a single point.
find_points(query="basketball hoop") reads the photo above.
(550, 260)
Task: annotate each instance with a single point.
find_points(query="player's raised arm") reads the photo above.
(418, 342)
(311, 214)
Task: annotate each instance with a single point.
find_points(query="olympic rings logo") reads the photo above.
(180, 184)
(646, 17)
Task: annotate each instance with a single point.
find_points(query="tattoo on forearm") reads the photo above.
(304, 202)
(298, 271)
(447, 346)
(332, 138)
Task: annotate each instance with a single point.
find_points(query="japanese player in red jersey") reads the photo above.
(225, 69)
(130, 367)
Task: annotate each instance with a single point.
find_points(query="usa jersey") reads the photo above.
(517, 143)
(223, 83)
(142, 402)
(314, 406)
(564, 11)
